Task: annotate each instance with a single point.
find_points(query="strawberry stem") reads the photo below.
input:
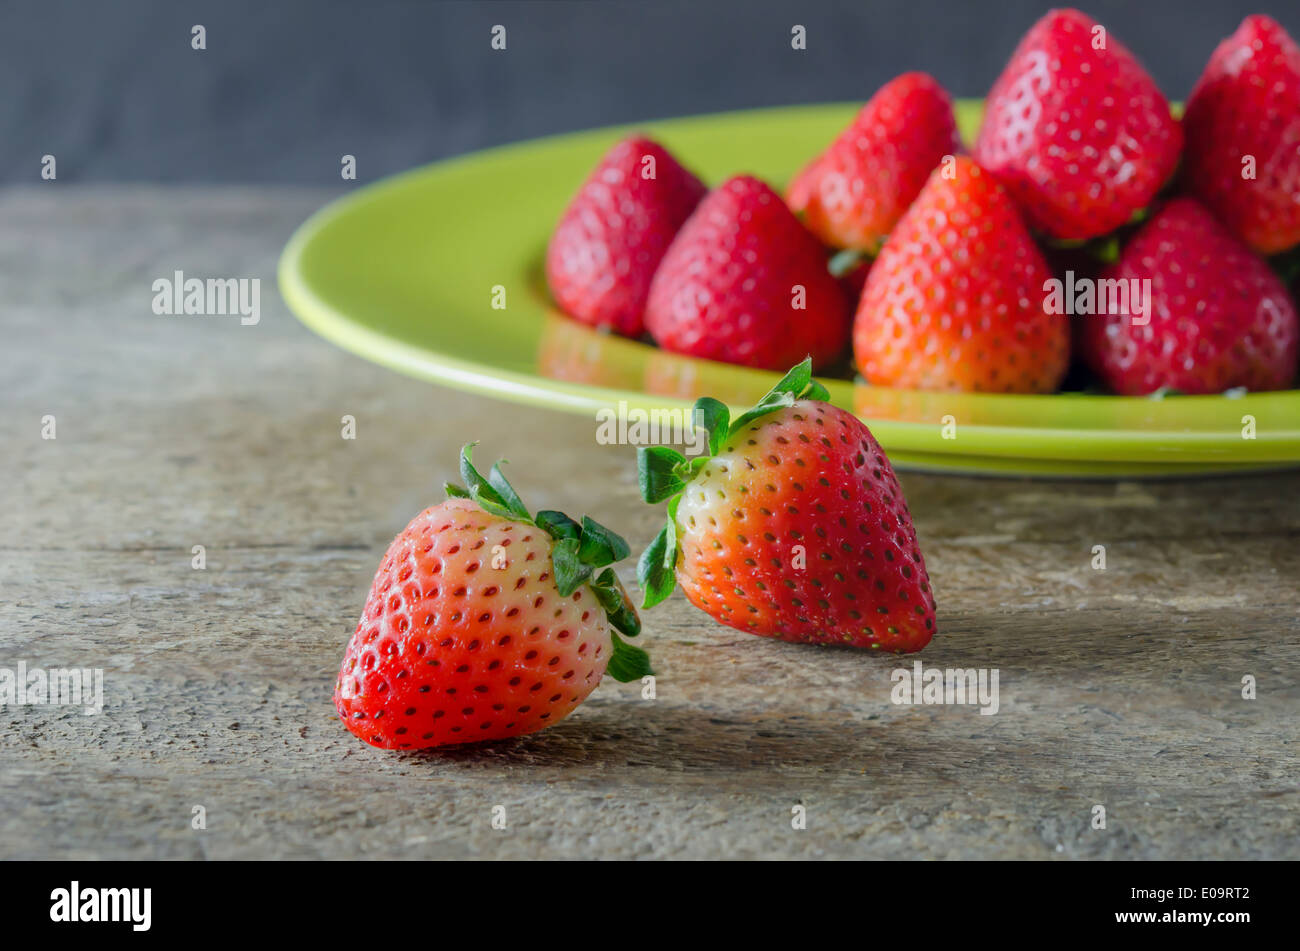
(843, 262)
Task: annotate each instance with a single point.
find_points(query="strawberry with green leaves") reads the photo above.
(792, 526)
(485, 622)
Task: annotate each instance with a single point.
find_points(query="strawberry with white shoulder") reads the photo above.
(792, 525)
(485, 622)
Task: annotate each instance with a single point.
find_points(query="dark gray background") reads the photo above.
(114, 91)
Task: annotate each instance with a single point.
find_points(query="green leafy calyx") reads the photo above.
(581, 551)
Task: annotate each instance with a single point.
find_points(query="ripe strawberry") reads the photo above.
(614, 233)
(956, 299)
(1218, 316)
(1243, 136)
(484, 622)
(792, 526)
(852, 194)
(1076, 130)
(744, 282)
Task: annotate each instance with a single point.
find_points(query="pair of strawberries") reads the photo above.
(1077, 144)
(486, 621)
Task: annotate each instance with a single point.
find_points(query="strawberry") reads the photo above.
(1217, 316)
(791, 526)
(1243, 136)
(1076, 130)
(612, 236)
(852, 194)
(744, 282)
(485, 622)
(956, 299)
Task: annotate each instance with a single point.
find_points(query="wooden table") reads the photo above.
(1119, 688)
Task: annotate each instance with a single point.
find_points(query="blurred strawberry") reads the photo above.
(956, 299)
(612, 236)
(744, 282)
(1217, 316)
(853, 194)
(1243, 136)
(1076, 130)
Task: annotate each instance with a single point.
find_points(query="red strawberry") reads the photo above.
(1243, 136)
(1076, 130)
(852, 194)
(614, 233)
(1218, 317)
(484, 622)
(745, 283)
(793, 526)
(956, 299)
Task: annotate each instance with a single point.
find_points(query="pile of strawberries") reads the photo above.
(937, 266)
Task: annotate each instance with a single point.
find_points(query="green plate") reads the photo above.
(403, 272)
